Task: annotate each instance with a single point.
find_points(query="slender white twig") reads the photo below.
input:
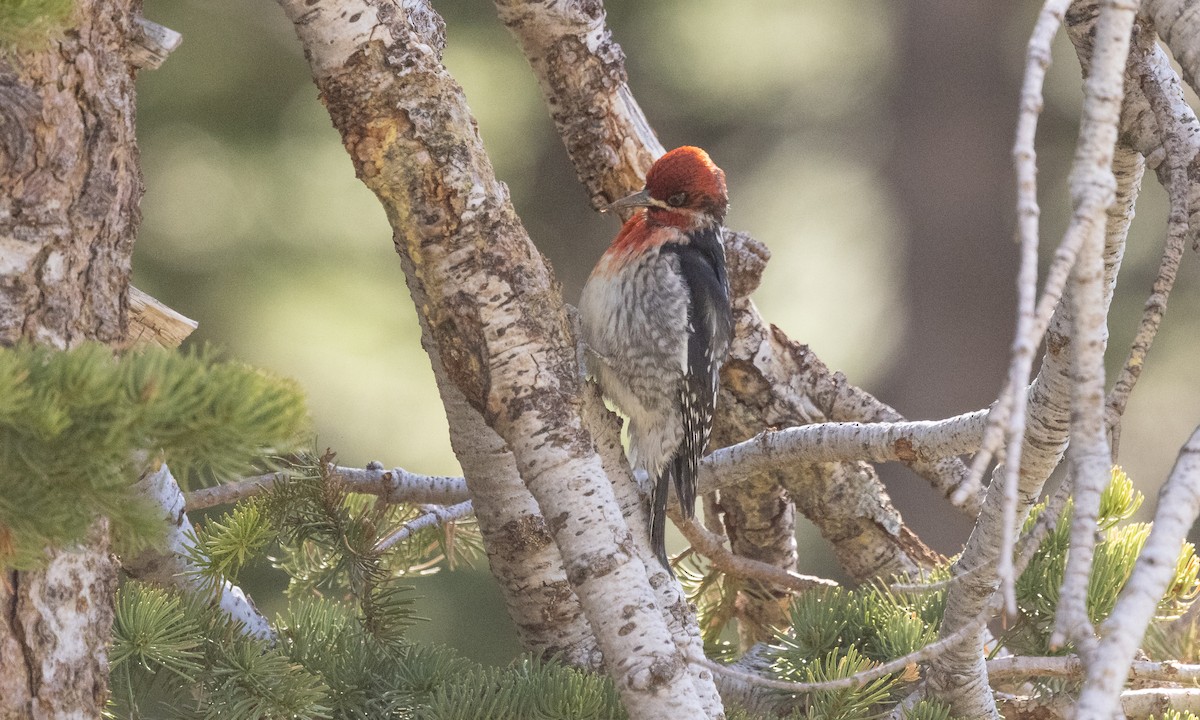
(1019, 667)
(433, 516)
(1024, 345)
(1178, 506)
(395, 485)
(1093, 188)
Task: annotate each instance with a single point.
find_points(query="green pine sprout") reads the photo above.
(928, 709)
(1115, 556)
(853, 703)
(152, 630)
(224, 546)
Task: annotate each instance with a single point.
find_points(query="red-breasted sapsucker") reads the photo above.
(657, 323)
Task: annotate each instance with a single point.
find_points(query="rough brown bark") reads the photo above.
(69, 192)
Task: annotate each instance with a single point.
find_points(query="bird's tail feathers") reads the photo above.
(685, 469)
(658, 516)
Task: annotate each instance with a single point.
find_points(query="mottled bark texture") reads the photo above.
(69, 191)
(959, 676)
(495, 315)
(520, 548)
(771, 381)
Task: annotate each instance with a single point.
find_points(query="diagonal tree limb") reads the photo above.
(474, 274)
(582, 76)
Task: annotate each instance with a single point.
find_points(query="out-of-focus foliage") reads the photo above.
(25, 24)
(76, 428)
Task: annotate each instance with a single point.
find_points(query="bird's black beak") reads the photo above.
(636, 200)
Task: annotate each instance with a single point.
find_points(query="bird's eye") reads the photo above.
(678, 199)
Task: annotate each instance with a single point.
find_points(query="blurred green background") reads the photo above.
(867, 143)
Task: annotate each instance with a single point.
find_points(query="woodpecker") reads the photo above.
(657, 324)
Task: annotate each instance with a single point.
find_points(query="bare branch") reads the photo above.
(433, 516)
(1093, 190)
(1178, 506)
(169, 565)
(712, 546)
(923, 440)
(1173, 174)
(1020, 667)
(396, 485)
(1013, 400)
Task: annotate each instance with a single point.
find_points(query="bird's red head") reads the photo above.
(684, 188)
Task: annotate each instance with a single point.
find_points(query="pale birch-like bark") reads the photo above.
(69, 188)
(960, 676)
(581, 73)
(475, 275)
(1133, 704)
(521, 553)
(1178, 506)
(168, 564)
(1093, 190)
(1018, 668)
(1139, 126)
(1172, 173)
(1012, 403)
(680, 616)
(1178, 24)
(395, 485)
(927, 440)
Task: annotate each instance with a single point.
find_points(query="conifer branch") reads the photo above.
(899, 665)
(169, 563)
